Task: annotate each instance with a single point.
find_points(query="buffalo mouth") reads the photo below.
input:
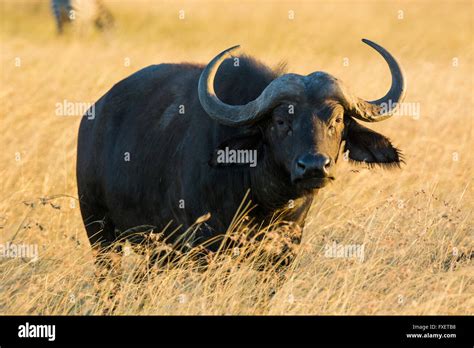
(313, 183)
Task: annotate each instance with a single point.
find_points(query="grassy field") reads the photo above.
(415, 224)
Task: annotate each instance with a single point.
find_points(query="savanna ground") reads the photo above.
(415, 224)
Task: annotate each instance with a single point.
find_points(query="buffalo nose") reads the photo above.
(312, 166)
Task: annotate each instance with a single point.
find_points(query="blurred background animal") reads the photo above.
(84, 14)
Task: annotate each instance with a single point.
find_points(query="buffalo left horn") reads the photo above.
(288, 86)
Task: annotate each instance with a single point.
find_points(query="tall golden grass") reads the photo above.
(415, 223)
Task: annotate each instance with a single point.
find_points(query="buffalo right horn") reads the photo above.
(381, 109)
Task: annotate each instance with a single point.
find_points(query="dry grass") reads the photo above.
(410, 220)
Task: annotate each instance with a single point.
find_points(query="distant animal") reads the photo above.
(86, 12)
(163, 145)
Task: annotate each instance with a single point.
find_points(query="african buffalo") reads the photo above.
(153, 154)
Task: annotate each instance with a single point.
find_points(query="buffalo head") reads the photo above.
(304, 120)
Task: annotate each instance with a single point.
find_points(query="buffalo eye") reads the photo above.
(281, 123)
(283, 126)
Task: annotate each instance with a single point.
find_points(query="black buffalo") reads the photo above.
(150, 155)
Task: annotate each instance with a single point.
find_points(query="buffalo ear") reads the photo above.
(249, 140)
(367, 146)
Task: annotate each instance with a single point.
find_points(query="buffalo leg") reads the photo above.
(107, 254)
